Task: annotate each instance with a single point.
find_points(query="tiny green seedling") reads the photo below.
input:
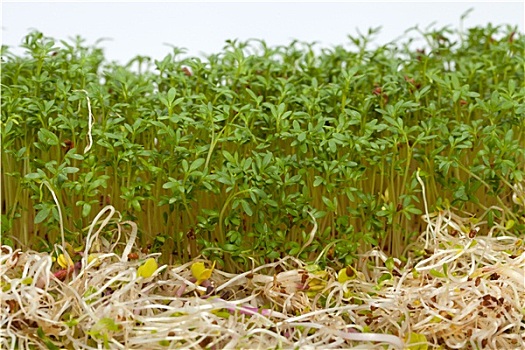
(233, 159)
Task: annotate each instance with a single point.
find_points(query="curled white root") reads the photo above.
(466, 290)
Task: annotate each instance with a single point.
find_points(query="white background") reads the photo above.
(144, 28)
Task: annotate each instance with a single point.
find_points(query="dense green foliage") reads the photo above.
(227, 156)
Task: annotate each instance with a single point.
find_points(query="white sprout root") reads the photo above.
(465, 290)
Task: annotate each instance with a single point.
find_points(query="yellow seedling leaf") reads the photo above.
(200, 272)
(435, 319)
(509, 224)
(342, 277)
(94, 256)
(312, 268)
(417, 341)
(386, 196)
(314, 286)
(197, 269)
(148, 268)
(69, 249)
(476, 273)
(321, 274)
(221, 313)
(64, 261)
(346, 274)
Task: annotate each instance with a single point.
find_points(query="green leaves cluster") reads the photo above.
(227, 156)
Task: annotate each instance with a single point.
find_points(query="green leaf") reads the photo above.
(436, 273)
(103, 326)
(332, 145)
(33, 176)
(246, 207)
(171, 184)
(42, 214)
(185, 165)
(135, 204)
(164, 101)
(318, 180)
(229, 157)
(384, 277)
(70, 170)
(417, 341)
(50, 345)
(329, 203)
(301, 137)
(72, 322)
(86, 209)
(222, 313)
(47, 137)
(196, 164)
(171, 95)
(413, 210)
(230, 247)
(390, 264)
